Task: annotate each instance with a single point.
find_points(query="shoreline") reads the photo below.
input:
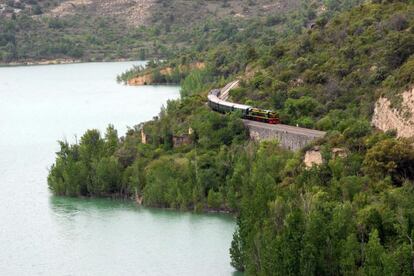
(58, 62)
(139, 203)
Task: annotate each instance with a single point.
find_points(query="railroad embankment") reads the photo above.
(289, 137)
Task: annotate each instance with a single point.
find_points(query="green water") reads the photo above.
(45, 235)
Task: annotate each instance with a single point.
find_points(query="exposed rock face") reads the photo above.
(313, 157)
(197, 65)
(339, 153)
(148, 79)
(139, 199)
(69, 7)
(144, 137)
(250, 71)
(386, 118)
(136, 12)
(141, 80)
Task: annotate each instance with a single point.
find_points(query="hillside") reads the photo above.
(114, 29)
(178, 12)
(339, 70)
(334, 69)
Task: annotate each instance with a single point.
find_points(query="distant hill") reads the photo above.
(32, 30)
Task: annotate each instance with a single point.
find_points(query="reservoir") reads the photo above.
(45, 235)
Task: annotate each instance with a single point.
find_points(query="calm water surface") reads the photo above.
(45, 235)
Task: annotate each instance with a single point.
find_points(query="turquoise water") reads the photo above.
(45, 235)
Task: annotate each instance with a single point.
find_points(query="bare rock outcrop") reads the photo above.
(135, 12)
(141, 80)
(339, 153)
(147, 78)
(401, 120)
(313, 157)
(68, 7)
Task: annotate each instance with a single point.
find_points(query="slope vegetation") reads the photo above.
(108, 29)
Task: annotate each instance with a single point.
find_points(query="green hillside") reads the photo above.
(107, 30)
(351, 215)
(336, 68)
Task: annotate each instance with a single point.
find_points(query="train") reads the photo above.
(247, 112)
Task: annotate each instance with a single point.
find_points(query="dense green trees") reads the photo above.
(194, 83)
(191, 177)
(316, 222)
(390, 158)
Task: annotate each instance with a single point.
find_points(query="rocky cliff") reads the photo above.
(401, 120)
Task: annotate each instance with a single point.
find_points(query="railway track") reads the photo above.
(291, 136)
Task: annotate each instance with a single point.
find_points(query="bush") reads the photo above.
(390, 157)
(214, 199)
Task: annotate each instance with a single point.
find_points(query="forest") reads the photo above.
(351, 215)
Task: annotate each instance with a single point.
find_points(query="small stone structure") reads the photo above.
(182, 140)
(144, 137)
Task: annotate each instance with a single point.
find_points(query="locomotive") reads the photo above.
(247, 112)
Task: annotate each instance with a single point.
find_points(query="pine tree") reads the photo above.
(350, 255)
(373, 253)
(236, 250)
